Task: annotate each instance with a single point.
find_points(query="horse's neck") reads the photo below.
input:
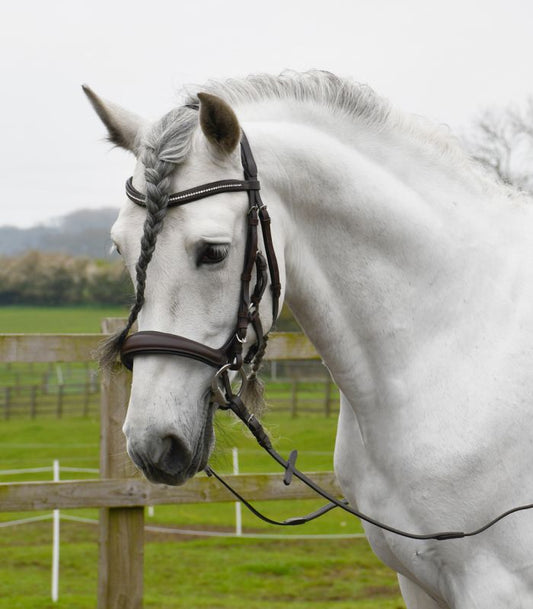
(385, 250)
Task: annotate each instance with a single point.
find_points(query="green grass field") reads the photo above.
(48, 320)
(183, 570)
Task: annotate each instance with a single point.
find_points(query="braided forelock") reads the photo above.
(164, 147)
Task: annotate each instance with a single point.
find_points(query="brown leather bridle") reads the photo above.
(230, 356)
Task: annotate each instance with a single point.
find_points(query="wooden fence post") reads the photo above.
(120, 579)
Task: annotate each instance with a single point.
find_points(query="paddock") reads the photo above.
(120, 493)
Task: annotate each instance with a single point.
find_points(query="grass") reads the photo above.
(213, 574)
(48, 320)
(182, 570)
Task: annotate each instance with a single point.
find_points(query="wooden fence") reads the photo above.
(119, 493)
(31, 401)
(296, 395)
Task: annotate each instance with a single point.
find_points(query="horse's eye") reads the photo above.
(212, 253)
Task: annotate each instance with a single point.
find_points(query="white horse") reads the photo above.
(411, 272)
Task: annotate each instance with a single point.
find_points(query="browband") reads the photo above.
(194, 194)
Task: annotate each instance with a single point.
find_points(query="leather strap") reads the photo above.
(162, 343)
(283, 523)
(250, 173)
(275, 283)
(194, 194)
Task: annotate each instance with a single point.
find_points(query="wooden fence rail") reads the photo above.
(296, 394)
(125, 493)
(120, 493)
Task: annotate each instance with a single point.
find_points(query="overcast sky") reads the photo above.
(445, 60)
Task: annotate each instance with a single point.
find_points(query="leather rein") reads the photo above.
(230, 356)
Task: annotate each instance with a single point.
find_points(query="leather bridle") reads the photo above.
(230, 356)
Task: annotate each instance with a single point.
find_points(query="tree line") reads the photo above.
(52, 279)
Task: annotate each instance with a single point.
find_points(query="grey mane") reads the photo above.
(341, 96)
(323, 88)
(174, 131)
(361, 103)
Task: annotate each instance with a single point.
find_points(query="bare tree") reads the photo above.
(502, 141)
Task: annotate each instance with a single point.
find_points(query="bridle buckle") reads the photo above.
(221, 388)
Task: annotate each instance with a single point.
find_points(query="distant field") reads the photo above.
(55, 319)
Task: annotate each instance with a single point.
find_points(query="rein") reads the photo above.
(230, 355)
(235, 404)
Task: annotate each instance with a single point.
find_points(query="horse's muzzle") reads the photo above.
(168, 459)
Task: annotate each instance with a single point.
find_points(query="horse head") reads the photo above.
(186, 262)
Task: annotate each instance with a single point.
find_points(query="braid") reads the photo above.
(157, 178)
(157, 175)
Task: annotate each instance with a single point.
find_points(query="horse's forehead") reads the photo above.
(214, 218)
(209, 217)
(203, 164)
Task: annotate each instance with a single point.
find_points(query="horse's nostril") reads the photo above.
(172, 454)
(162, 458)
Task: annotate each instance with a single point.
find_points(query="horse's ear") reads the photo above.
(123, 127)
(219, 123)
